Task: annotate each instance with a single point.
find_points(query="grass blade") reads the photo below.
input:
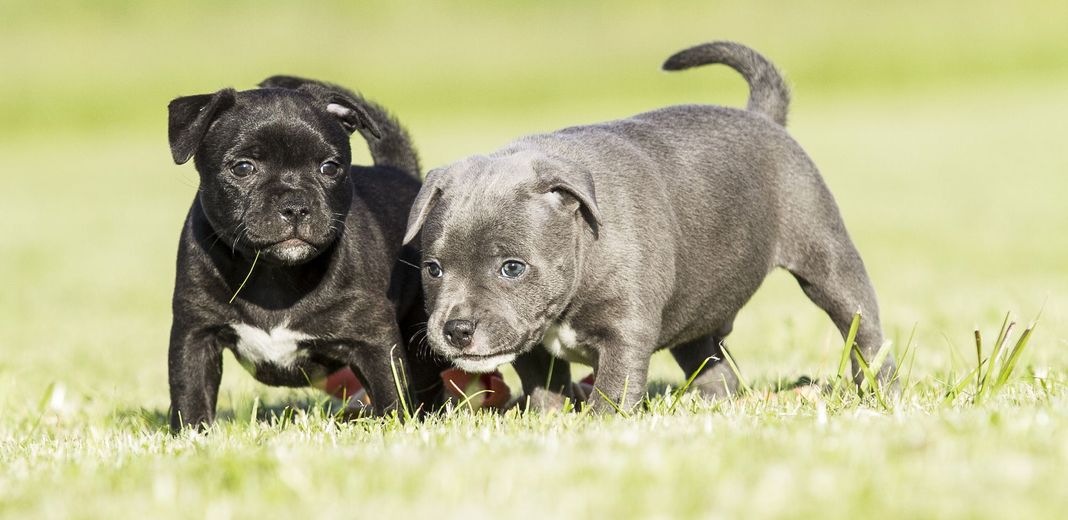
(255, 412)
(247, 276)
(954, 391)
(680, 391)
(549, 377)
(468, 398)
(1003, 335)
(612, 403)
(869, 376)
(904, 353)
(1014, 356)
(880, 357)
(397, 380)
(851, 338)
(734, 368)
(978, 358)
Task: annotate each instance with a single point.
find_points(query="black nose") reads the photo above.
(294, 212)
(458, 332)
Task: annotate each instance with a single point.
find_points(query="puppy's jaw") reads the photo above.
(480, 364)
(292, 252)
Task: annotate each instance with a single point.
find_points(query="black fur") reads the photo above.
(330, 262)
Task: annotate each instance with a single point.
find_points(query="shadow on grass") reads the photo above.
(282, 411)
(664, 388)
(272, 413)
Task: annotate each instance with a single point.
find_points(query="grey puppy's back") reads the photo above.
(705, 188)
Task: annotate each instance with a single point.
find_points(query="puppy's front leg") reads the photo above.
(194, 371)
(622, 371)
(376, 365)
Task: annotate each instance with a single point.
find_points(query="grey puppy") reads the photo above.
(608, 242)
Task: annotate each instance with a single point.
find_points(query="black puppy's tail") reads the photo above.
(389, 142)
(768, 93)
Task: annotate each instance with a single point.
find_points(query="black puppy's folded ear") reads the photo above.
(424, 202)
(189, 118)
(571, 182)
(352, 116)
(339, 101)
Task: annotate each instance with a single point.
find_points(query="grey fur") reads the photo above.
(638, 234)
(768, 93)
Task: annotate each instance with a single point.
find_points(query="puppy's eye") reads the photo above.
(243, 169)
(330, 168)
(433, 269)
(513, 269)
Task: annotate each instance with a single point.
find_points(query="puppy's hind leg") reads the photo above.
(716, 380)
(832, 275)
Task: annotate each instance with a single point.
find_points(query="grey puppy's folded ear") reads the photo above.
(338, 101)
(188, 120)
(571, 180)
(424, 202)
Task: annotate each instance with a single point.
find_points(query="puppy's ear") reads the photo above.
(424, 202)
(339, 101)
(188, 120)
(352, 116)
(571, 182)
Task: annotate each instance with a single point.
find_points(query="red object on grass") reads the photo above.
(344, 384)
(458, 383)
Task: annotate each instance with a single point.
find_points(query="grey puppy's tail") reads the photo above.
(768, 93)
(390, 146)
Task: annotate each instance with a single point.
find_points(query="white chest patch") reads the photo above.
(562, 341)
(277, 347)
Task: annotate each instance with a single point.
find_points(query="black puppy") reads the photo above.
(290, 257)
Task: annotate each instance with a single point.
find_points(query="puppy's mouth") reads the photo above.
(477, 363)
(292, 251)
(484, 358)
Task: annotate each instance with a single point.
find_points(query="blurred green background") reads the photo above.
(939, 126)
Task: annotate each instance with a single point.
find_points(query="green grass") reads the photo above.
(939, 128)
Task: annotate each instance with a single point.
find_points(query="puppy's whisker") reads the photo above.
(216, 236)
(219, 236)
(233, 247)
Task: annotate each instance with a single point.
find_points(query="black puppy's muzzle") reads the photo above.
(459, 332)
(294, 209)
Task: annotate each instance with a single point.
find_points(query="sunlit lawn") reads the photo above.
(941, 136)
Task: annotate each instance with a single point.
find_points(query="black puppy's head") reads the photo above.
(273, 163)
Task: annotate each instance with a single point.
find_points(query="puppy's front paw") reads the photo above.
(543, 400)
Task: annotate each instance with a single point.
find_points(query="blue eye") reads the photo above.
(433, 269)
(513, 269)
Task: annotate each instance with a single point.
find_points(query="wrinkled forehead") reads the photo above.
(282, 126)
(493, 214)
